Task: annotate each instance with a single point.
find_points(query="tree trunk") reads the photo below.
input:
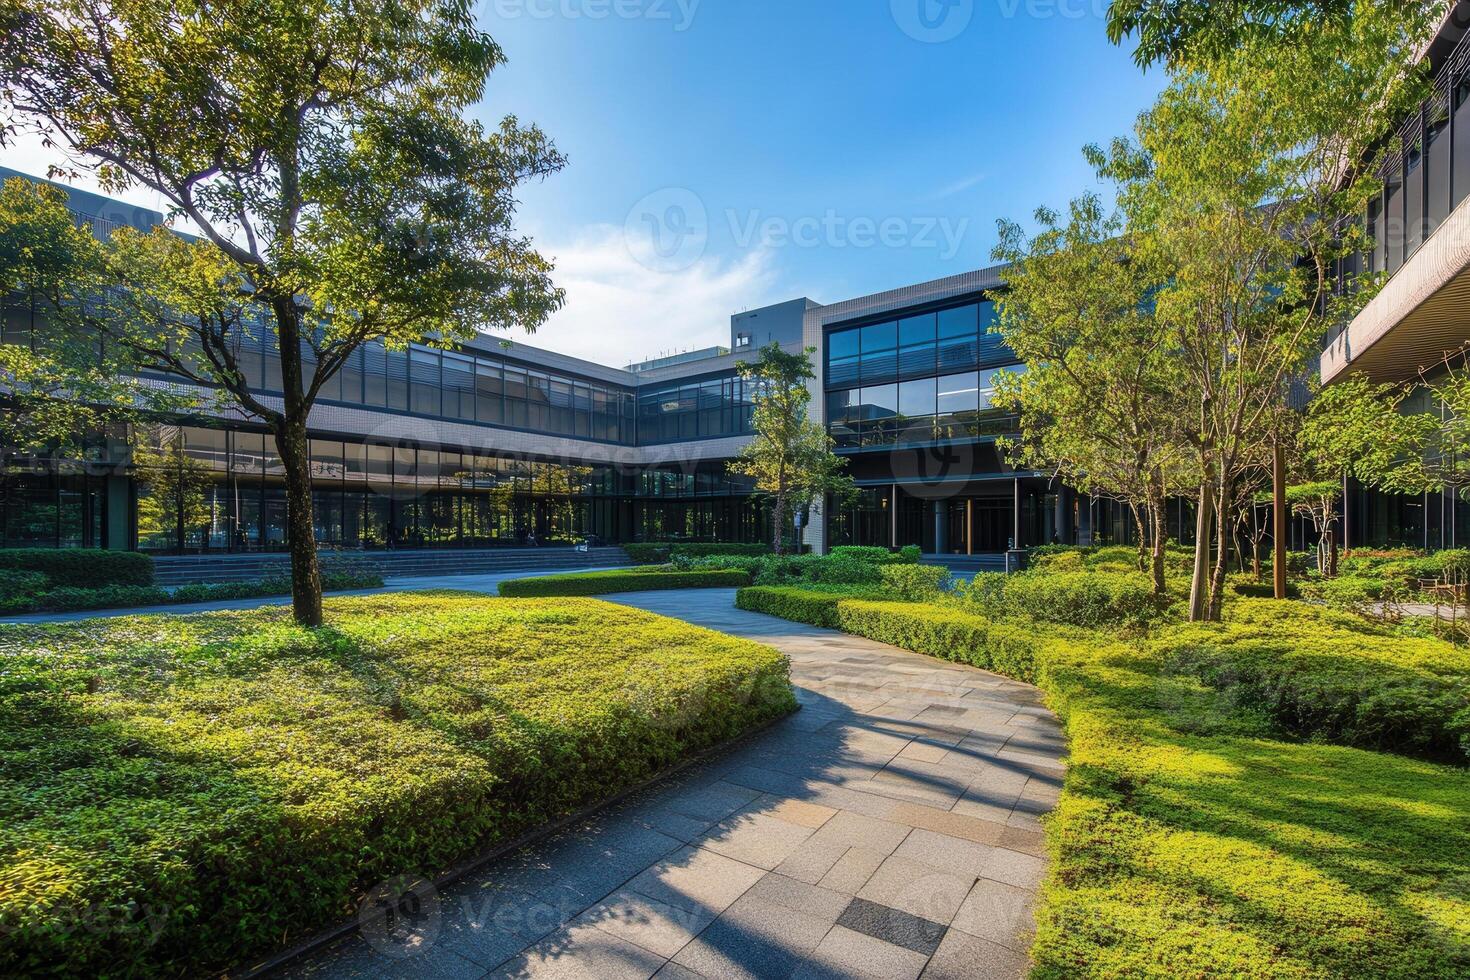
(291, 443)
(1199, 586)
(1160, 533)
(778, 523)
(1141, 529)
(306, 582)
(1278, 519)
(1332, 551)
(1222, 552)
(1158, 519)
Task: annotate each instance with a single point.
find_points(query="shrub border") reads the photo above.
(470, 865)
(619, 580)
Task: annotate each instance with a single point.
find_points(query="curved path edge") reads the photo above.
(890, 829)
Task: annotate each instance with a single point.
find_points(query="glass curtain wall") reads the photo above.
(203, 489)
(922, 378)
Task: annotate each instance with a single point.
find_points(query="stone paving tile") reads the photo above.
(897, 814)
(892, 926)
(354, 960)
(697, 880)
(853, 870)
(1015, 868)
(844, 953)
(582, 952)
(998, 913)
(943, 851)
(760, 839)
(963, 957)
(918, 889)
(663, 929)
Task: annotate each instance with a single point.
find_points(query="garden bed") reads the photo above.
(1194, 837)
(622, 580)
(178, 792)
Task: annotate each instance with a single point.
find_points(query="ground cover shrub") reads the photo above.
(18, 589)
(661, 552)
(82, 568)
(623, 580)
(907, 555)
(1191, 842)
(180, 792)
(1069, 598)
(1332, 678)
(1247, 586)
(914, 583)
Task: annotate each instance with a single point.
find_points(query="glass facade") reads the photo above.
(707, 408)
(1426, 179)
(203, 489)
(460, 385)
(918, 378)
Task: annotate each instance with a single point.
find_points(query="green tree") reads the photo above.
(1099, 399)
(1365, 431)
(1180, 31)
(320, 152)
(64, 382)
(1235, 190)
(791, 457)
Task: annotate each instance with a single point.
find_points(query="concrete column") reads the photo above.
(941, 528)
(118, 514)
(893, 515)
(1016, 541)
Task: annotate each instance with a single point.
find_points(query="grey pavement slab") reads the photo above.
(889, 829)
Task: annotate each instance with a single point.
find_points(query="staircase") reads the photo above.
(175, 570)
(965, 566)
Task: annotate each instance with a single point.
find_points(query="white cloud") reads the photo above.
(963, 184)
(619, 311)
(25, 151)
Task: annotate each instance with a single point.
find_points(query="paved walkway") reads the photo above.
(888, 829)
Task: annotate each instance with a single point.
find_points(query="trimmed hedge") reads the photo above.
(1068, 598)
(81, 568)
(609, 582)
(180, 792)
(946, 632)
(1188, 841)
(907, 555)
(18, 600)
(661, 552)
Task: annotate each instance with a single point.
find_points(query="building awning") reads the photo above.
(1422, 314)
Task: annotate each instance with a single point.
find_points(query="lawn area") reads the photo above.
(178, 792)
(1198, 833)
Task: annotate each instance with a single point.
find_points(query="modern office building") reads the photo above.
(498, 442)
(1420, 226)
(501, 443)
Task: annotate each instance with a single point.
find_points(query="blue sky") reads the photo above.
(729, 153)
